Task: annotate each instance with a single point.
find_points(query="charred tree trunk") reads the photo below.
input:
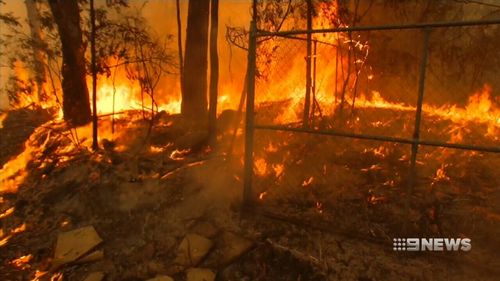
(38, 56)
(179, 43)
(214, 71)
(194, 97)
(76, 105)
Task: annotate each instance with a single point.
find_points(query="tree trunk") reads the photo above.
(38, 55)
(179, 43)
(214, 71)
(194, 96)
(76, 105)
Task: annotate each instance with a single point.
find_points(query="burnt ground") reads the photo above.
(145, 190)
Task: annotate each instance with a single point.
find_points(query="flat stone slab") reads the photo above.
(192, 250)
(73, 244)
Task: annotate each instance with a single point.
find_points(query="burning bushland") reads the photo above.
(129, 154)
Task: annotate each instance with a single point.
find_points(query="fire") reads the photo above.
(14, 171)
(178, 155)
(307, 182)
(283, 80)
(17, 230)
(260, 167)
(24, 84)
(116, 98)
(22, 262)
(156, 149)
(319, 207)
(377, 101)
(262, 195)
(441, 174)
(271, 148)
(278, 170)
(381, 151)
(7, 213)
(375, 167)
(480, 109)
(2, 118)
(123, 95)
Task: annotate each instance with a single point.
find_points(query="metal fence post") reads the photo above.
(307, 98)
(249, 124)
(418, 117)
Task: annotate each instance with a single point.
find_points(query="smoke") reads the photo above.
(161, 17)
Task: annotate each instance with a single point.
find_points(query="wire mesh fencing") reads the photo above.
(355, 170)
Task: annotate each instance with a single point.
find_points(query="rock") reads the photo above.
(233, 246)
(94, 256)
(74, 244)
(200, 274)
(95, 276)
(192, 250)
(161, 278)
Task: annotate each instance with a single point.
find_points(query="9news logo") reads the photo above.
(431, 244)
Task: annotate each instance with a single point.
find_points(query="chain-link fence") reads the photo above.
(304, 85)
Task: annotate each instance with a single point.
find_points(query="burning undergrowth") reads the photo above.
(143, 190)
(155, 180)
(360, 187)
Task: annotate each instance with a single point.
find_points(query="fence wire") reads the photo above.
(353, 170)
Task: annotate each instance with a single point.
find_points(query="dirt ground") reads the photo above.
(145, 195)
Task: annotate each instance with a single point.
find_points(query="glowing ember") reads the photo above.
(440, 174)
(271, 148)
(375, 167)
(319, 207)
(307, 182)
(380, 151)
(22, 262)
(375, 199)
(156, 149)
(7, 213)
(262, 195)
(19, 229)
(278, 170)
(39, 274)
(178, 155)
(260, 166)
(5, 240)
(2, 118)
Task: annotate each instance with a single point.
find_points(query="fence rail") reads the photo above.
(429, 25)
